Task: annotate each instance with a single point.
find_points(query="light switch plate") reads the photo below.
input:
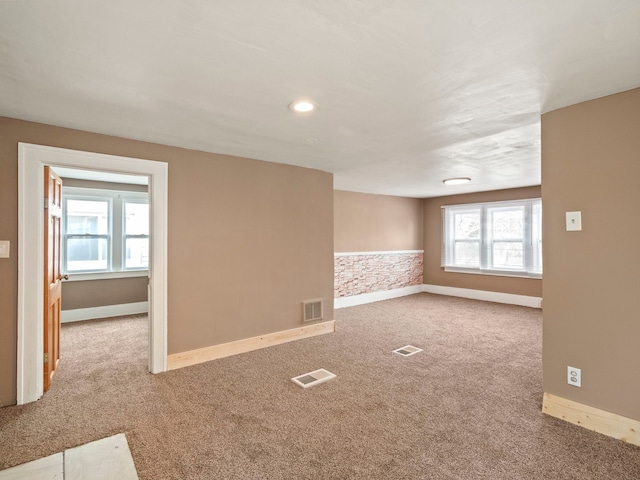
(4, 248)
(574, 221)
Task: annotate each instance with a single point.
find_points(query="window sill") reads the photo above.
(495, 273)
(81, 277)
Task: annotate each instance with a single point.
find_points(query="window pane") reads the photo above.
(466, 226)
(508, 224)
(137, 253)
(87, 217)
(536, 236)
(136, 218)
(467, 254)
(87, 254)
(495, 236)
(508, 255)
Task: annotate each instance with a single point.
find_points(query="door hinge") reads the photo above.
(46, 202)
(46, 358)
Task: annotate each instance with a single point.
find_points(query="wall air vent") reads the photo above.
(312, 310)
(407, 350)
(313, 378)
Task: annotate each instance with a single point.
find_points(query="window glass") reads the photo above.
(87, 254)
(136, 218)
(137, 253)
(87, 217)
(104, 230)
(466, 234)
(507, 228)
(494, 238)
(136, 241)
(467, 254)
(87, 230)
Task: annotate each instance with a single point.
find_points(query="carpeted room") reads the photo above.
(511, 96)
(467, 406)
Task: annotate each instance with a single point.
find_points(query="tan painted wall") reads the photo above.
(434, 274)
(99, 293)
(591, 163)
(373, 223)
(248, 240)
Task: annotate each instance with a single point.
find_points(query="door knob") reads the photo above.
(64, 277)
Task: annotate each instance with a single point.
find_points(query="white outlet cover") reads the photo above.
(4, 248)
(574, 376)
(574, 221)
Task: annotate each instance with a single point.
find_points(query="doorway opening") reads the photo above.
(31, 162)
(104, 264)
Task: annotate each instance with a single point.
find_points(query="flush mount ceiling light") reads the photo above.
(302, 106)
(456, 181)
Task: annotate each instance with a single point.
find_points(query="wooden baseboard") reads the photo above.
(193, 357)
(601, 421)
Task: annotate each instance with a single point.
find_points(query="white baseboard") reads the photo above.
(341, 302)
(200, 355)
(601, 421)
(79, 314)
(498, 297)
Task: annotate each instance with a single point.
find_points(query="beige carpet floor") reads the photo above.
(467, 407)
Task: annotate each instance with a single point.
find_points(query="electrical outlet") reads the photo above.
(574, 221)
(574, 376)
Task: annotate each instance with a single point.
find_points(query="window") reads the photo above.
(136, 233)
(502, 238)
(104, 230)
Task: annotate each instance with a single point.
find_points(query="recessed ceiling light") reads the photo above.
(456, 181)
(302, 106)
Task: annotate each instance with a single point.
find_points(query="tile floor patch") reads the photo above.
(104, 459)
(100, 460)
(47, 468)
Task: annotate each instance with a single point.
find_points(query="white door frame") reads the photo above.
(31, 162)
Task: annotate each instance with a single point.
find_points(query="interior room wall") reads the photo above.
(590, 163)
(378, 243)
(248, 240)
(373, 223)
(103, 292)
(434, 274)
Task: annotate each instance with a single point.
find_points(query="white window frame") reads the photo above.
(115, 236)
(531, 238)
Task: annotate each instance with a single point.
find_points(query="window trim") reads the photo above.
(115, 237)
(485, 241)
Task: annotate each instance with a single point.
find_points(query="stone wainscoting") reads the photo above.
(368, 272)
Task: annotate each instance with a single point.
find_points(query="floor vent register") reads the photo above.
(313, 378)
(407, 350)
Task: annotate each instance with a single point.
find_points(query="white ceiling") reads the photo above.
(410, 92)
